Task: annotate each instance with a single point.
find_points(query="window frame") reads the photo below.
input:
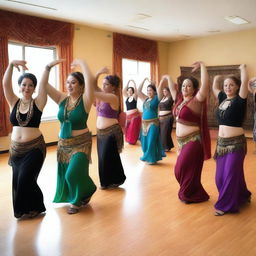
(55, 70)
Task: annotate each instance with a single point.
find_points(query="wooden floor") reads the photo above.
(142, 218)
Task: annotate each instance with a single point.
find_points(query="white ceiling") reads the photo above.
(167, 20)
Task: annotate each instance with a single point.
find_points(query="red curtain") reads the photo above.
(137, 49)
(33, 31)
(5, 126)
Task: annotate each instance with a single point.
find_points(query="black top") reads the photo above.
(131, 105)
(34, 121)
(166, 105)
(234, 114)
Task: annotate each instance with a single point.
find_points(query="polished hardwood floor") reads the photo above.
(142, 218)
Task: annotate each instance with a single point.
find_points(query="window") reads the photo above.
(37, 58)
(137, 71)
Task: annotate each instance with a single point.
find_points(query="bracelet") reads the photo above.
(48, 68)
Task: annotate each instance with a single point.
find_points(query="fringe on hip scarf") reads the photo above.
(229, 145)
(116, 131)
(182, 141)
(147, 123)
(68, 147)
(21, 148)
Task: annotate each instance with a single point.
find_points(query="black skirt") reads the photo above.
(166, 123)
(111, 170)
(26, 166)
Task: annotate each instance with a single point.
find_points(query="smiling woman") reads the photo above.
(27, 150)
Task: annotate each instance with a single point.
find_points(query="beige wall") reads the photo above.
(94, 46)
(226, 49)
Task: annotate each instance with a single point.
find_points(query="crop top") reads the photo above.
(234, 114)
(74, 119)
(131, 105)
(166, 105)
(33, 122)
(104, 109)
(185, 115)
(150, 108)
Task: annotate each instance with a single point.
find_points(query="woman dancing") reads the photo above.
(74, 184)
(192, 136)
(231, 143)
(133, 117)
(109, 133)
(27, 149)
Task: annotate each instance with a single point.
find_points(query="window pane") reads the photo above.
(36, 58)
(15, 53)
(137, 71)
(33, 55)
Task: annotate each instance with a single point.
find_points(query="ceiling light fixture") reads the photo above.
(34, 5)
(236, 20)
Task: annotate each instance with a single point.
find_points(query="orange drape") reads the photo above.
(137, 49)
(33, 31)
(5, 126)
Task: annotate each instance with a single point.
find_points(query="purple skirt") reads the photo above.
(230, 182)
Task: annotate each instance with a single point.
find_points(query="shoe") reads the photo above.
(33, 214)
(72, 210)
(103, 187)
(219, 213)
(186, 202)
(86, 200)
(115, 185)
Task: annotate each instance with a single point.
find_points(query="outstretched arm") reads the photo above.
(89, 80)
(243, 92)
(56, 95)
(7, 81)
(141, 95)
(204, 88)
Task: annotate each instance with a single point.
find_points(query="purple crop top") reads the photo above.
(104, 109)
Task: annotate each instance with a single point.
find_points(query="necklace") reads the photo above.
(179, 108)
(29, 114)
(69, 106)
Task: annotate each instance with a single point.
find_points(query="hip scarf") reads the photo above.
(165, 117)
(68, 147)
(132, 116)
(114, 130)
(182, 141)
(229, 145)
(147, 123)
(20, 148)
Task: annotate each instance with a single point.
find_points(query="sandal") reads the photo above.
(219, 213)
(33, 214)
(72, 210)
(85, 201)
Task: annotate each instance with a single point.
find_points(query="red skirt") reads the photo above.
(132, 127)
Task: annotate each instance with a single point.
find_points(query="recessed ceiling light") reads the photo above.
(236, 20)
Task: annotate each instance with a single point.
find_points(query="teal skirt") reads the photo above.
(151, 145)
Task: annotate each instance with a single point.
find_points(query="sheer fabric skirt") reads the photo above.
(27, 160)
(188, 169)
(132, 127)
(109, 145)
